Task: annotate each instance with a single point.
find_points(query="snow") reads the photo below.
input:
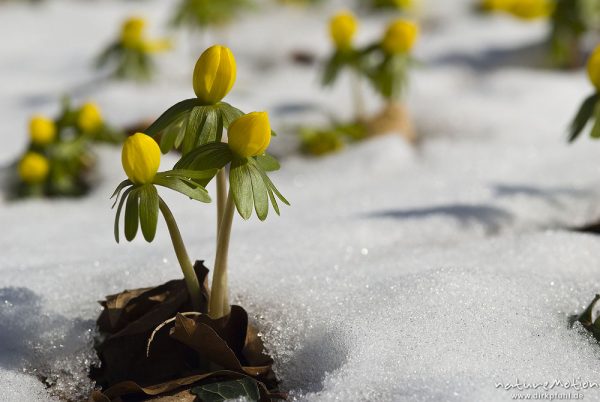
(398, 273)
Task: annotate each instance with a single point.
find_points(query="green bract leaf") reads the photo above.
(213, 155)
(267, 162)
(260, 193)
(172, 136)
(195, 121)
(228, 113)
(211, 130)
(583, 115)
(118, 190)
(226, 390)
(174, 113)
(131, 214)
(148, 211)
(118, 214)
(186, 187)
(189, 174)
(240, 182)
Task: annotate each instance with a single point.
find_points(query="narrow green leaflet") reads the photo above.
(186, 187)
(148, 211)
(131, 214)
(118, 214)
(213, 155)
(172, 136)
(583, 115)
(118, 190)
(260, 193)
(240, 182)
(172, 115)
(211, 129)
(226, 390)
(195, 122)
(228, 113)
(267, 162)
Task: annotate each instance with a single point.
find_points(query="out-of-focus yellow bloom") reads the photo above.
(593, 68)
(342, 28)
(132, 32)
(140, 158)
(42, 130)
(33, 168)
(404, 4)
(497, 5)
(214, 74)
(156, 45)
(400, 37)
(250, 134)
(531, 9)
(89, 118)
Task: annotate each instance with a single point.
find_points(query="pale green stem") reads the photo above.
(221, 196)
(357, 97)
(219, 299)
(189, 275)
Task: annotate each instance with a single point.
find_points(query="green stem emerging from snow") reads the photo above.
(191, 280)
(219, 299)
(221, 196)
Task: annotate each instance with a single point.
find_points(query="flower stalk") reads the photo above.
(191, 280)
(219, 299)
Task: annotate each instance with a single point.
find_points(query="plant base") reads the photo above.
(153, 346)
(394, 118)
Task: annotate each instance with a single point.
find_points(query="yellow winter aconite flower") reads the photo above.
(89, 118)
(132, 32)
(404, 4)
(531, 9)
(250, 134)
(400, 37)
(593, 68)
(140, 158)
(42, 130)
(156, 45)
(214, 74)
(342, 28)
(33, 168)
(497, 5)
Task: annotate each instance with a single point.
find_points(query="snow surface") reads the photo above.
(398, 274)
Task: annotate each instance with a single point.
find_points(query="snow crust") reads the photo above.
(398, 274)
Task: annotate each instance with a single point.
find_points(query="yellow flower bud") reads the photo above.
(89, 118)
(41, 130)
(33, 168)
(140, 158)
(250, 134)
(214, 74)
(400, 37)
(531, 9)
(342, 28)
(132, 32)
(593, 68)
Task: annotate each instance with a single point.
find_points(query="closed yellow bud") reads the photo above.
(140, 158)
(342, 28)
(250, 134)
(214, 74)
(400, 37)
(132, 32)
(593, 68)
(89, 118)
(33, 168)
(41, 130)
(531, 9)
